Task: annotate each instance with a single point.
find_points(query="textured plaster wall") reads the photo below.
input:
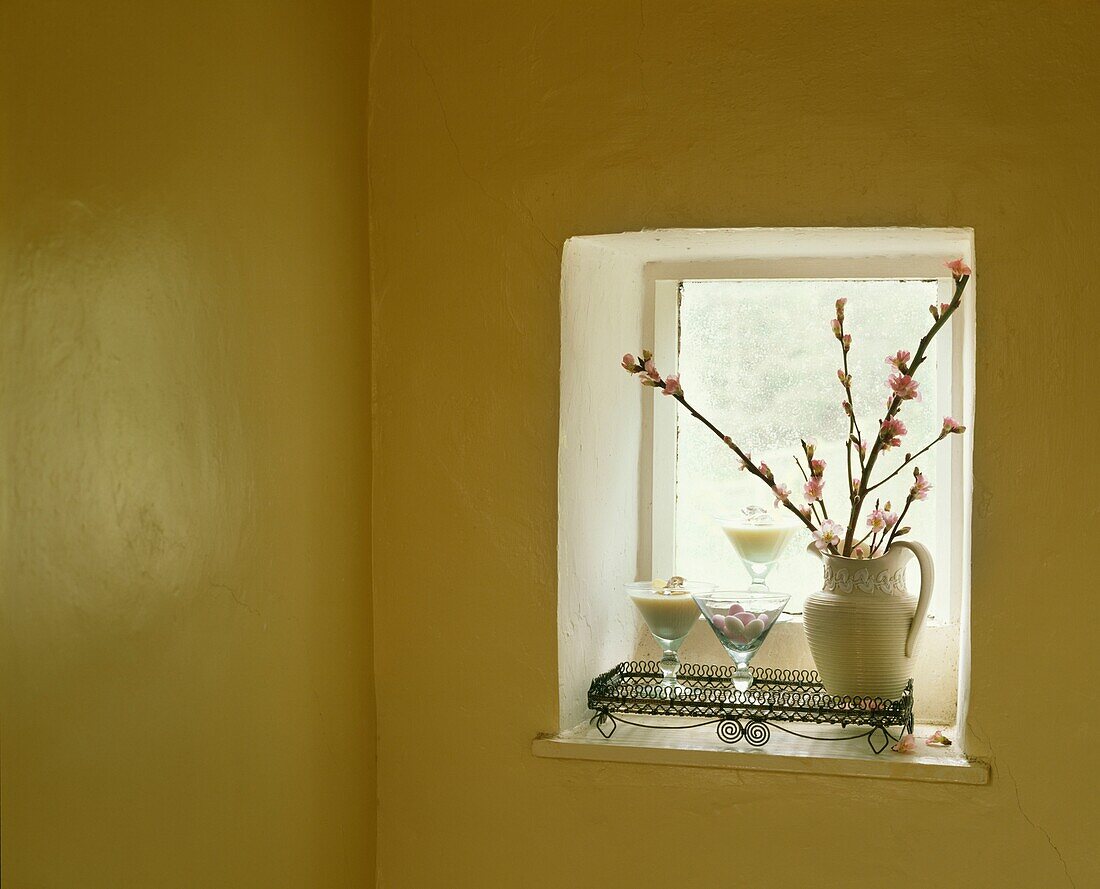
(498, 130)
(186, 692)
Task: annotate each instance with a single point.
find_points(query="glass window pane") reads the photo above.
(759, 360)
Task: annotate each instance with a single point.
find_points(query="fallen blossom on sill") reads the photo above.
(938, 739)
(907, 744)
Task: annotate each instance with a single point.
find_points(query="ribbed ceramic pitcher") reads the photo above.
(863, 626)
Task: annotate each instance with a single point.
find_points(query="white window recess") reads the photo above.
(617, 468)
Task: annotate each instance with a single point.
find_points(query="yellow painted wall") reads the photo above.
(186, 692)
(498, 130)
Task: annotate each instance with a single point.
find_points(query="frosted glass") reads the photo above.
(759, 360)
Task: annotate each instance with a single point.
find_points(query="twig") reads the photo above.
(892, 410)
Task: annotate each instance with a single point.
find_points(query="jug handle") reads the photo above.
(927, 579)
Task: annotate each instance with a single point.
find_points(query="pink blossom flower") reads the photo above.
(651, 370)
(845, 379)
(846, 341)
(840, 304)
(891, 518)
(907, 744)
(835, 325)
(847, 408)
(782, 493)
(958, 268)
(764, 471)
(813, 488)
(817, 467)
(860, 552)
(900, 361)
(630, 363)
(921, 487)
(904, 386)
(938, 739)
(890, 432)
(944, 307)
(876, 521)
(950, 424)
(805, 511)
(829, 534)
(672, 385)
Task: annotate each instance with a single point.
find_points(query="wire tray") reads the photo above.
(776, 696)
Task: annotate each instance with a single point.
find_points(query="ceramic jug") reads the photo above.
(863, 626)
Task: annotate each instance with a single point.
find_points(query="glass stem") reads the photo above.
(742, 676)
(670, 666)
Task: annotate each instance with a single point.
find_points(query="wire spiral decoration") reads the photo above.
(757, 733)
(730, 730)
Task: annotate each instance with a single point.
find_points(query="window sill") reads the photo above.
(700, 747)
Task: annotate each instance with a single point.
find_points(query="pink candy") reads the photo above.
(740, 625)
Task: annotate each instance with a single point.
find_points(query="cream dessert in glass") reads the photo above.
(670, 613)
(759, 539)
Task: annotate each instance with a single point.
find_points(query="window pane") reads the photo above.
(759, 360)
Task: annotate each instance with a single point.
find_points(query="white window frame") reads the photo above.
(954, 353)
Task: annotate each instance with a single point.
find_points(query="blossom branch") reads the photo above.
(845, 340)
(904, 388)
(798, 463)
(949, 426)
(845, 377)
(815, 484)
(646, 370)
(813, 503)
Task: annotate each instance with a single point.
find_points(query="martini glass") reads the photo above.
(741, 621)
(670, 613)
(759, 539)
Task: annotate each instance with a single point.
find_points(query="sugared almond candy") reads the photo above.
(735, 632)
(754, 629)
